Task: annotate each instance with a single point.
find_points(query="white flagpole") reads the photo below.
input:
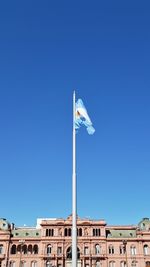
(74, 201)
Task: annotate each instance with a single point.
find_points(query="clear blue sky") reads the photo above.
(48, 49)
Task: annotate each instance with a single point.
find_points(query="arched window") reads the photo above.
(97, 263)
(22, 264)
(48, 264)
(134, 263)
(111, 249)
(79, 232)
(65, 234)
(52, 232)
(49, 249)
(86, 250)
(69, 232)
(13, 249)
(133, 250)
(24, 249)
(59, 250)
(96, 232)
(78, 253)
(97, 249)
(145, 249)
(30, 249)
(1, 249)
(123, 264)
(49, 232)
(19, 249)
(34, 264)
(69, 253)
(122, 249)
(12, 264)
(35, 249)
(112, 264)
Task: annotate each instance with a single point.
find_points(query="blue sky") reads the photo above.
(48, 49)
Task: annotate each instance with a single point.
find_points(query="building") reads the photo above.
(99, 245)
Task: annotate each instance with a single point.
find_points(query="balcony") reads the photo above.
(2, 256)
(48, 256)
(95, 256)
(99, 256)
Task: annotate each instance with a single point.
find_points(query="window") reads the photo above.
(123, 264)
(108, 233)
(97, 263)
(0, 263)
(12, 264)
(67, 232)
(147, 263)
(111, 249)
(1, 249)
(112, 264)
(48, 264)
(122, 249)
(22, 264)
(69, 253)
(34, 264)
(145, 248)
(59, 250)
(133, 250)
(79, 232)
(19, 249)
(49, 249)
(134, 264)
(30, 249)
(86, 250)
(97, 249)
(24, 249)
(96, 232)
(86, 231)
(49, 232)
(35, 249)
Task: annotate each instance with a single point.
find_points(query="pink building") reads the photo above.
(99, 245)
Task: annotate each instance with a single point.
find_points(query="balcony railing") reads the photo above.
(2, 256)
(99, 256)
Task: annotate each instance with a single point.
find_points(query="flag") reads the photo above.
(82, 117)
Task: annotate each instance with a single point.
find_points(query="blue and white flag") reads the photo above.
(82, 117)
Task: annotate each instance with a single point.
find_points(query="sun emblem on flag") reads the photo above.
(78, 115)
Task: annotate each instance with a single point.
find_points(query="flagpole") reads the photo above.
(74, 193)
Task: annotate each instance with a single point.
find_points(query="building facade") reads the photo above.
(98, 244)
